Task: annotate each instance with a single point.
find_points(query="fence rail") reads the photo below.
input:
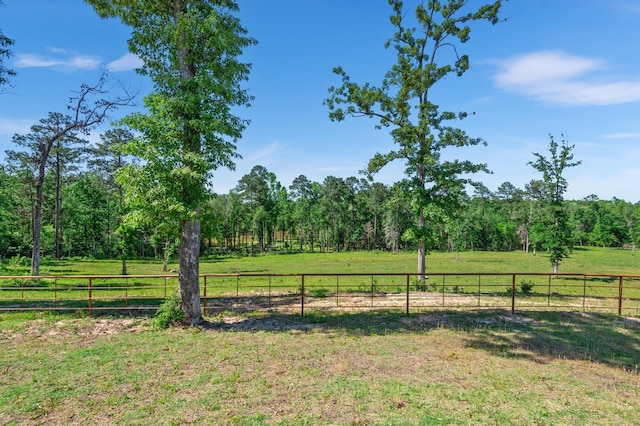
(300, 292)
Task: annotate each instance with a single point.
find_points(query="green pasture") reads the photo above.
(378, 279)
(364, 368)
(377, 366)
(591, 260)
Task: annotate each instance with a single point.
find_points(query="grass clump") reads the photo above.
(169, 313)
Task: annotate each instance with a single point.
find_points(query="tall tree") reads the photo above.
(107, 158)
(5, 52)
(403, 102)
(507, 195)
(556, 230)
(66, 153)
(88, 108)
(190, 49)
(300, 190)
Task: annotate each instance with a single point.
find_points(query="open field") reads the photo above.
(362, 280)
(357, 367)
(323, 369)
(583, 260)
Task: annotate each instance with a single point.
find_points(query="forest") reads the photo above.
(84, 207)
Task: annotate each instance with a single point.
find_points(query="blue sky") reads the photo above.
(554, 67)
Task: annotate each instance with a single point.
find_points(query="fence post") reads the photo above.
(22, 287)
(620, 296)
(407, 294)
(513, 293)
(90, 306)
(302, 295)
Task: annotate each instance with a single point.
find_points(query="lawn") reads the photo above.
(353, 367)
(365, 290)
(372, 368)
(583, 260)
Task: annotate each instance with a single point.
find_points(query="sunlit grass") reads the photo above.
(326, 369)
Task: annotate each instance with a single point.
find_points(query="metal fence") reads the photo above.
(301, 292)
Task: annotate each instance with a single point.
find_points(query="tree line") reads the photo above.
(83, 210)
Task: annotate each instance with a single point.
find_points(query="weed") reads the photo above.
(526, 286)
(169, 313)
(319, 292)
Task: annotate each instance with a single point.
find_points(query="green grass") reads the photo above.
(370, 367)
(460, 290)
(583, 260)
(323, 369)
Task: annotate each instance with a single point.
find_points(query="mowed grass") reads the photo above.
(329, 368)
(373, 368)
(591, 260)
(112, 293)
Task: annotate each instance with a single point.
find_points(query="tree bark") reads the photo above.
(37, 225)
(422, 253)
(57, 209)
(189, 275)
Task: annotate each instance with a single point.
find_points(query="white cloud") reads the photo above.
(125, 63)
(60, 59)
(264, 154)
(622, 136)
(561, 78)
(12, 126)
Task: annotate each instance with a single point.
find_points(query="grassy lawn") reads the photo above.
(373, 368)
(583, 260)
(328, 368)
(356, 291)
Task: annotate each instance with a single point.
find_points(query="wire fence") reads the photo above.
(302, 292)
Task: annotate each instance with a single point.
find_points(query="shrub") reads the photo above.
(526, 286)
(169, 313)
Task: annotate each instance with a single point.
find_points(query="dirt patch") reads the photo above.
(240, 323)
(82, 327)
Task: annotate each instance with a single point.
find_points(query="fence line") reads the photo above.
(299, 292)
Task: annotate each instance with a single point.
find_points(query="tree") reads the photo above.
(556, 232)
(254, 189)
(5, 52)
(65, 154)
(300, 190)
(508, 195)
(107, 158)
(86, 113)
(403, 103)
(190, 49)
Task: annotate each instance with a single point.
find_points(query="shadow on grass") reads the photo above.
(538, 336)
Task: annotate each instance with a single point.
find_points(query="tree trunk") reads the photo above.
(37, 225)
(165, 255)
(422, 253)
(189, 275)
(57, 212)
(422, 261)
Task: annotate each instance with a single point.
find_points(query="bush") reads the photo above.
(169, 313)
(526, 286)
